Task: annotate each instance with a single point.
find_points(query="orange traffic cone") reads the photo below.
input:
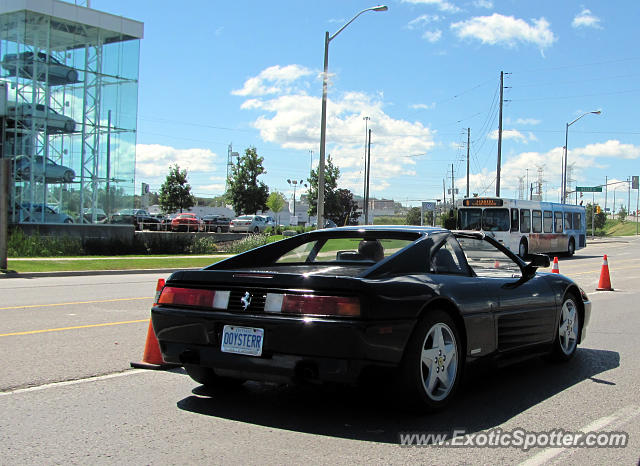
(605, 282)
(152, 357)
(555, 268)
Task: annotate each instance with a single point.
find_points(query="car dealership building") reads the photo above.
(68, 98)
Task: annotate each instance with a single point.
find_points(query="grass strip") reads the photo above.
(124, 263)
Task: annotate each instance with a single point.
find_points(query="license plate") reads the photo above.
(242, 340)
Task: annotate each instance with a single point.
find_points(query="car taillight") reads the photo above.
(194, 297)
(308, 304)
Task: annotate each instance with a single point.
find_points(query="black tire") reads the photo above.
(565, 342)
(69, 176)
(256, 230)
(523, 249)
(207, 377)
(420, 387)
(571, 249)
(68, 220)
(219, 230)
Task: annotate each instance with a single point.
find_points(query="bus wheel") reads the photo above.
(523, 249)
(572, 247)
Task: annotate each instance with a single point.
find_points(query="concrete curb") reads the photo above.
(81, 273)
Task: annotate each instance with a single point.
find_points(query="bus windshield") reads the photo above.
(487, 219)
(495, 220)
(469, 219)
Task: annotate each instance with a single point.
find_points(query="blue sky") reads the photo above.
(249, 73)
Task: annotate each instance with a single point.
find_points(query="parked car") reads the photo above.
(165, 221)
(186, 222)
(270, 222)
(39, 117)
(248, 224)
(43, 169)
(88, 214)
(217, 223)
(422, 302)
(44, 66)
(40, 213)
(139, 218)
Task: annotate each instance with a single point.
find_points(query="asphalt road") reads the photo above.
(68, 395)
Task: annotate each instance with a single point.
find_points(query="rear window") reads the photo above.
(344, 250)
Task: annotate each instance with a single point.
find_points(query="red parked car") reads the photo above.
(186, 222)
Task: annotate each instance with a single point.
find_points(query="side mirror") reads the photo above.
(540, 260)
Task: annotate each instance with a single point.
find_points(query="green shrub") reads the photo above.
(21, 245)
(247, 243)
(203, 245)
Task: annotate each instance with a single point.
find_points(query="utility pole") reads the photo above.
(5, 169)
(606, 190)
(468, 145)
(366, 217)
(364, 177)
(453, 189)
(500, 135)
(444, 193)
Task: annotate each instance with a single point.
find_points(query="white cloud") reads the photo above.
(423, 106)
(550, 162)
(505, 30)
(423, 20)
(611, 148)
(586, 19)
(525, 121)
(153, 160)
(272, 80)
(513, 134)
(488, 4)
(441, 5)
(432, 36)
(292, 120)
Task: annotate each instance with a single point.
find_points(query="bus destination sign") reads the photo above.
(482, 202)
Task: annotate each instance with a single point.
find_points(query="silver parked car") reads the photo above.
(53, 173)
(248, 224)
(39, 117)
(42, 213)
(45, 67)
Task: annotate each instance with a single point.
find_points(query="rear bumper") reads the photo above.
(294, 348)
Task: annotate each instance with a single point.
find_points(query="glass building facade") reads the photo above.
(71, 79)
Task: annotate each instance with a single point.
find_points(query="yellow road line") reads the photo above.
(76, 302)
(31, 332)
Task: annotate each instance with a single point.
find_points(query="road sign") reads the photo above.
(589, 189)
(634, 182)
(428, 206)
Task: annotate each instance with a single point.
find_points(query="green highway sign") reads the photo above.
(589, 189)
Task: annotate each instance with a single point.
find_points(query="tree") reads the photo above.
(175, 192)
(331, 175)
(622, 214)
(345, 211)
(339, 205)
(246, 193)
(599, 220)
(276, 202)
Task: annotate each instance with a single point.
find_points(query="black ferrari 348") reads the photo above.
(334, 304)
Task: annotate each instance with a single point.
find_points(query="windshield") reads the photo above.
(485, 219)
(469, 219)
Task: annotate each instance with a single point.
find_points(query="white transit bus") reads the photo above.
(526, 226)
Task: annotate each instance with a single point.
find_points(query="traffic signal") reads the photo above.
(598, 210)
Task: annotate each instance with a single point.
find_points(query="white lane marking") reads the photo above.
(73, 382)
(623, 415)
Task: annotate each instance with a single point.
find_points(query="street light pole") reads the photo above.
(566, 153)
(323, 120)
(294, 183)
